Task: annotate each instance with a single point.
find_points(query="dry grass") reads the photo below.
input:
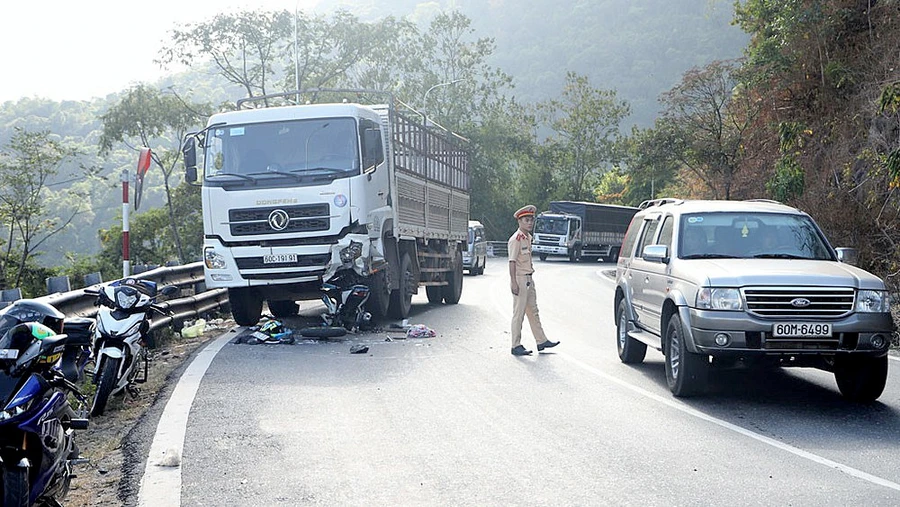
(98, 481)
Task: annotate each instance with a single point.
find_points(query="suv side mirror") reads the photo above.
(656, 253)
(847, 255)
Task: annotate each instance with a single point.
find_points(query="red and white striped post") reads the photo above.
(142, 166)
(126, 259)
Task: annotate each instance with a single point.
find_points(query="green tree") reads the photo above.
(585, 121)
(27, 164)
(147, 117)
(244, 46)
(709, 116)
(649, 163)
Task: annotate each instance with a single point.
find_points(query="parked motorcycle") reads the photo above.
(121, 335)
(37, 423)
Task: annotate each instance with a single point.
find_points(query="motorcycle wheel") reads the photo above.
(323, 332)
(105, 385)
(15, 487)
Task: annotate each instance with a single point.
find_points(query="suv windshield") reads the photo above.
(299, 150)
(551, 225)
(751, 235)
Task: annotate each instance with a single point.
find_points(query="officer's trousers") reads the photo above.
(525, 304)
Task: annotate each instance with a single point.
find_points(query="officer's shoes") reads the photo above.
(519, 350)
(546, 345)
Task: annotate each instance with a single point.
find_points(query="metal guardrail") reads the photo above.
(188, 276)
(496, 249)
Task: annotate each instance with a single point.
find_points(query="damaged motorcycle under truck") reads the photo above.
(342, 193)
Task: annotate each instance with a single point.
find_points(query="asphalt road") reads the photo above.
(457, 420)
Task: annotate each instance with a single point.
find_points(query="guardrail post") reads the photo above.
(58, 284)
(92, 279)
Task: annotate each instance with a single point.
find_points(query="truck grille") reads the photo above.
(304, 218)
(799, 302)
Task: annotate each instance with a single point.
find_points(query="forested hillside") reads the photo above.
(613, 101)
(640, 48)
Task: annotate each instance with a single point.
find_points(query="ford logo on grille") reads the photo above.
(279, 219)
(800, 302)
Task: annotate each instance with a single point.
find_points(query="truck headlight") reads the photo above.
(213, 259)
(872, 301)
(352, 252)
(709, 298)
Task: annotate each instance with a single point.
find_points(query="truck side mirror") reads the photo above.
(189, 150)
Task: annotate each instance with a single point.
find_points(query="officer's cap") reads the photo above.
(525, 211)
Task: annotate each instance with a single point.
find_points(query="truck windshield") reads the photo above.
(751, 235)
(296, 150)
(544, 225)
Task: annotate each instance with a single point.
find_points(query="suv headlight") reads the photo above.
(213, 259)
(872, 301)
(709, 298)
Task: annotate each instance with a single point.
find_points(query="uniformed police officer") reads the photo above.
(522, 284)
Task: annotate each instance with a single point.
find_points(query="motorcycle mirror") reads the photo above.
(169, 290)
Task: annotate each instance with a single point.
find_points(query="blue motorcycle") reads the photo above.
(37, 421)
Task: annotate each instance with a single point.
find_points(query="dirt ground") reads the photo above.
(99, 481)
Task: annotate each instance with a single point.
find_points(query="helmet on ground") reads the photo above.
(272, 327)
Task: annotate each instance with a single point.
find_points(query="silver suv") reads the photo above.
(755, 282)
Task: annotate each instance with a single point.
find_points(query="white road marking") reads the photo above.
(161, 484)
(677, 405)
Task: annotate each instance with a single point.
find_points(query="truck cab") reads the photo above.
(557, 234)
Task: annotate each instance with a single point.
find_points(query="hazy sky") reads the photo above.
(80, 49)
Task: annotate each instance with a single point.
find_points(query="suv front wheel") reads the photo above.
(686, 372)
(860, 378)
(630, 350)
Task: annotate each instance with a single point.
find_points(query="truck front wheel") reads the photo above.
(246, 305)
(860, 378)
(542, 257)
(380, 295)
(401, 298)
(453, 290)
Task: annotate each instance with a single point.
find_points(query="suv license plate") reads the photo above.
(279, 258)
(799, 329)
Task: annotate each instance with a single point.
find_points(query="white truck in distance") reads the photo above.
(298, 195)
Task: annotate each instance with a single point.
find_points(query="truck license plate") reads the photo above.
(798, 329)
(279, 258)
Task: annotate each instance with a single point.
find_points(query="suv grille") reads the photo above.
(786, 302)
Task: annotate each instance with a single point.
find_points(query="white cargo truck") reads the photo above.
(295, 196)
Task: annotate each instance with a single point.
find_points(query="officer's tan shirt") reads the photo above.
(519, 250)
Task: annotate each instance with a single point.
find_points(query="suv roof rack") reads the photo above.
(769, 201)
(660, 202)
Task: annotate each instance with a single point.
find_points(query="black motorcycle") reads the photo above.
(37, 421)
